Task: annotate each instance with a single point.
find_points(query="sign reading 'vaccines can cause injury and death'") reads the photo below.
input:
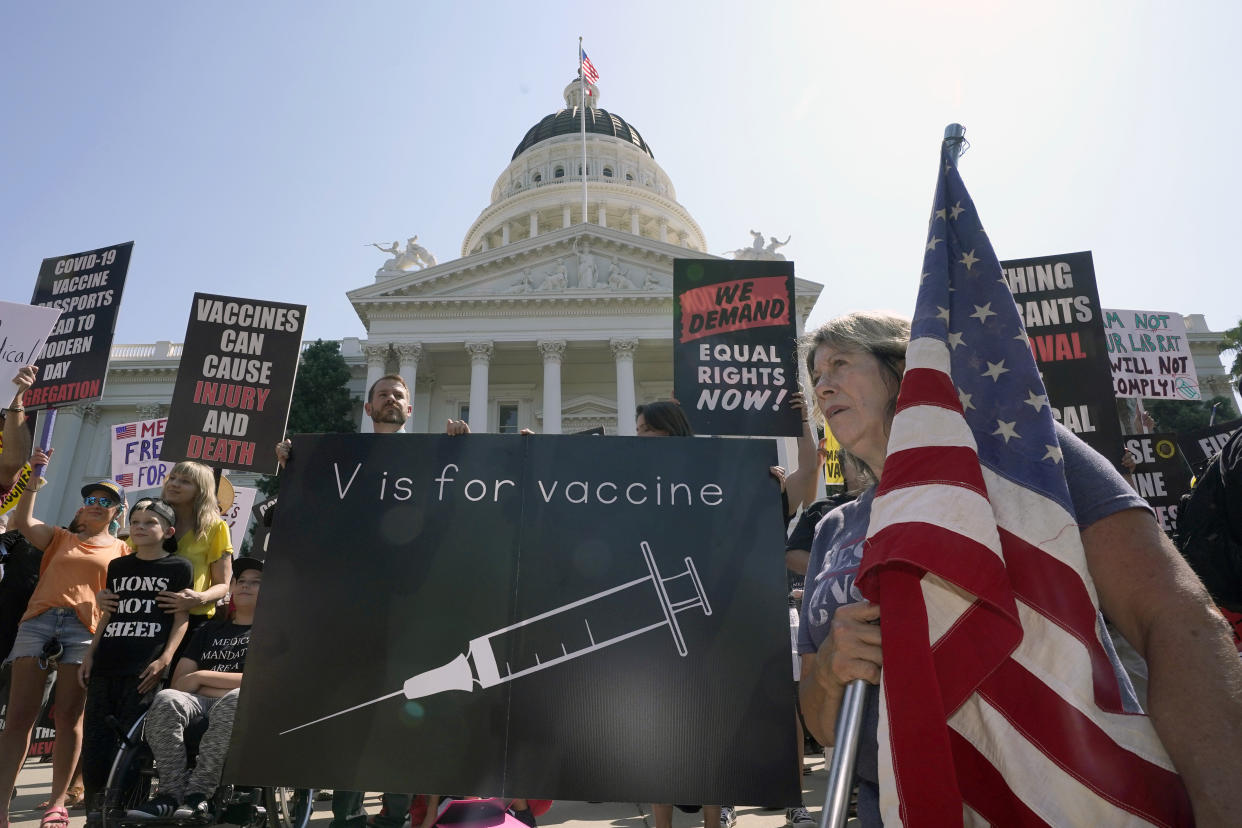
(735, 346)
(612, 581)
(1059, 303)
(86, 288)
(235, 383)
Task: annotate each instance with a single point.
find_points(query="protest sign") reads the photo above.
(1150, 356)
(235, 382)
(546, 617)
(86, 288)
(1059, 304)
(735, 359)
(136, 460)
(263, 516)
(23, 331)
(833, 474)
(1160, 474)
(237, 516)
(1201, 443)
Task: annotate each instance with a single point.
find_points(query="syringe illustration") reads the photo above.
(556, 636)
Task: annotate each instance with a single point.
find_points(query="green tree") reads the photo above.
(1185, 415)
(321, 399)
(1231, 340)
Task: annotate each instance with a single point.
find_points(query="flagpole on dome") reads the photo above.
(850, 714)
(582, 112)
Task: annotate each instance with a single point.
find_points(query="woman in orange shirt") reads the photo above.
(55, 633)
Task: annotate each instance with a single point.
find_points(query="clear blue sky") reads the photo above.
(254, 149)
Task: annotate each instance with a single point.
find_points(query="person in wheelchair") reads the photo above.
(133, 646)
(205, 685)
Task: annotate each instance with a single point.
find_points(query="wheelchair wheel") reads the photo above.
(288, 807)
(132, 780)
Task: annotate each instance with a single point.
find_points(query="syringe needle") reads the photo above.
(343, 712)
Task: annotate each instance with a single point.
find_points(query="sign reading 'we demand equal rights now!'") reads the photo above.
(235, 382)
(735, 359)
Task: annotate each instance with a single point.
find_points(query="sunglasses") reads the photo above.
(105, 502)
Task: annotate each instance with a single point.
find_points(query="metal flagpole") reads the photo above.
(849, 716)
(582, 84)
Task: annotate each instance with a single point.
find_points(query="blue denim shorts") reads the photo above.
(59, 623)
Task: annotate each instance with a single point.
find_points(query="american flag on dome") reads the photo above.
(998, 702)
(588, 69)
(127, 432)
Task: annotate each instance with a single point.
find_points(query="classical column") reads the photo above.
(603, 214)
(663, 230)
(504, 234)
(634, 228)
(534, 223)
(149, 411)
(623, 351)
(421, 418)
(553, 351)
(408, 355)
(480, 358)
(565, 216)
(377, 358)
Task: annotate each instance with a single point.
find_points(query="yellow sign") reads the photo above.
(832, 461)
(10, 498)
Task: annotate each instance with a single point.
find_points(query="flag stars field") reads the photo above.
(955, 339)
(1036, 401)
(995, 369)
(1007, 430)
(982, 312)
(957, 210)
(933, 241)
(1052, 453)
(969, 259)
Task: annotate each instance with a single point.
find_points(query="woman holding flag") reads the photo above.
(968, 581)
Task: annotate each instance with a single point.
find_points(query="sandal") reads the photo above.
(55, 818)
(75, 799)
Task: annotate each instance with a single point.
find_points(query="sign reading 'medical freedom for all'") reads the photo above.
(235, 383)
(86, 288)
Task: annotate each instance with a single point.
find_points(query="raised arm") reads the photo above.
(802, 483)
(1194, 689)
(36, 531)
(16, 435)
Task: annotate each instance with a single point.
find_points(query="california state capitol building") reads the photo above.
(551, 318)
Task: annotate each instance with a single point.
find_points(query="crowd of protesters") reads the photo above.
(113, 619)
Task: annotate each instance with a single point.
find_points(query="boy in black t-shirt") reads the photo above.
(132, 646)
(205, 686)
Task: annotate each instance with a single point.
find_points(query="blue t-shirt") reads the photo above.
(1097, 491)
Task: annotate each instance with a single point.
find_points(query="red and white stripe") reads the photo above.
(998, 702)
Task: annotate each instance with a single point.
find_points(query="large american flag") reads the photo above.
(588, 69)
(998, 702)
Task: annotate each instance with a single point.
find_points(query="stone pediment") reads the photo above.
(586, 412)
(573, 262)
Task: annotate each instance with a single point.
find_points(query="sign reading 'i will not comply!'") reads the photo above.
(235, 382)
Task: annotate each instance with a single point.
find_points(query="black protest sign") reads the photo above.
(1160, 474)
(86, 288)
(264, 512)
(557, 617)
(735, 346)
(1059, 303)
(1201, 443)
(231, 400)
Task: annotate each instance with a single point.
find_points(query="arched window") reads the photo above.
(629, 176)
(607, 172)
(538, 178)
(559, 172)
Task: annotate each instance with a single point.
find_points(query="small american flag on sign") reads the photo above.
(588, 69)
(998, 701)
(127, 432)
(126, 479)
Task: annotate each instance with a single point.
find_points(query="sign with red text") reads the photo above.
(735, 359)
(136, 462)
(1150, 356)
(1059, 303)
(235, 382)
(86, 288)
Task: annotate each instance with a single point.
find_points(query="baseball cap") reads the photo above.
(106, 485)
(245, 562)
(160, 507)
